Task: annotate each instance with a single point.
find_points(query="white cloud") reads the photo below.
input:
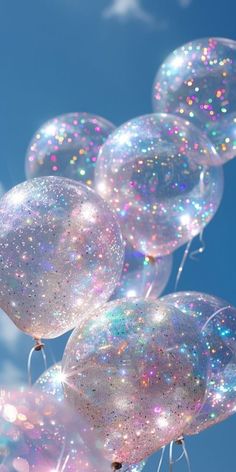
(10, 374)
(184, 3)
(125, 9)
(10, 336)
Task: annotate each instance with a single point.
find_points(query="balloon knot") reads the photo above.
(180, 441)
(38, 344)
(116, 466)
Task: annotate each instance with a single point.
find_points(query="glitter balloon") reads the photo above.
(37, 434)
(198, 82)
(50, 382)
(61, 254)
(142, 276)
(148, 171)
(223, 133)
(217, 320)
(137, 372)
(68, 146)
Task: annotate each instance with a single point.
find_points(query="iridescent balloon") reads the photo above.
(142, 276)
(217, 320)
(37, 434)
(136, 371)
(148, 170)
(50, 382)
(61, 254)
(198, 82)
(68, 146)
(223, 133)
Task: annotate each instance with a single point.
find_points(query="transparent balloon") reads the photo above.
(148, 170)
(198, 82)
(223, 134)
(142, 276)
(61, 254)
(217, 320)
(50, 382)
(137, 373)
(37, 433)
(67, 146)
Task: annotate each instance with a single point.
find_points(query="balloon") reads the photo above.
(142, 276)
(223, 133)
(50, 382)
(148, 171)
(61, 254)
(36, 433)
(67, 146)
(136, 372)
(217, 320)
(198, 82)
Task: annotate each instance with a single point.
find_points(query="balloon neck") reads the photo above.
(152, 260)
(180, 441)
(38, 344)
(116, 466)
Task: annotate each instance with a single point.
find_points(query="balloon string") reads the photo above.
(171, 457)
(65, 463)
(201, 249)
(39, 346)
(182, 264)
(179, 458)
(213, 316)
(186, 456)
(153, 261)
(161, 459)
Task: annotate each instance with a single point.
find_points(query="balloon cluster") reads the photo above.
(86, 243)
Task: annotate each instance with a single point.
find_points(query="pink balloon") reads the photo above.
(39, 434)
(61, 254)
(136, 372)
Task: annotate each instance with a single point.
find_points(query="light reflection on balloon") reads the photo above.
(68, 146)
(50, 382)
(217, 319)
(198, 82)
(149, 172)
(39, 434)
(142, 276)
(136, 371)
(61, 254)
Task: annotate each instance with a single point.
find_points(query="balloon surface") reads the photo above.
(136, 371)
(224, 136)
(142, 276)
(61, 254)
(68, 146)
(148, 170)
(38, 434)
(50, 382)
(217, 320)
(198, 82)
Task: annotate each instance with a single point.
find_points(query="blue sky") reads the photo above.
(101, 56)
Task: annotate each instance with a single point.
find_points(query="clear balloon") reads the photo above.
(50, 382)
(68, 146)
(148, 170)
(142, 276)
(223, 134)
(61, 254)
(38, 434)
(136, 371)
(217, 320)
(198, 82)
